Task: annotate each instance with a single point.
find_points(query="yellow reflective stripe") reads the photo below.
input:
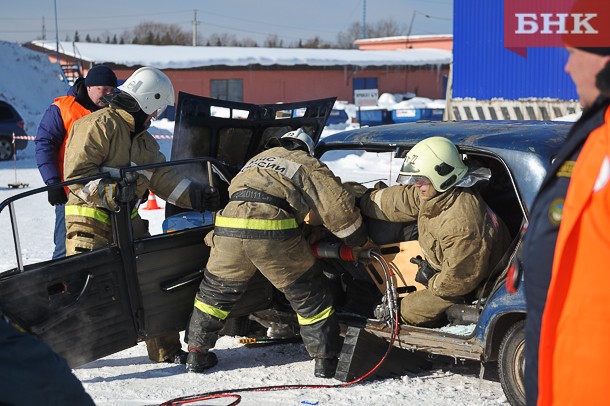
(324, 314)
(96, 214)
(211, 310)
(256, 224)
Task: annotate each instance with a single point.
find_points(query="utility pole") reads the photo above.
(195, 23)
(44, 31)
(411, 25)
(56, 32)
(363, 19)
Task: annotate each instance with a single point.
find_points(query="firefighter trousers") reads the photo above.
(232, 264)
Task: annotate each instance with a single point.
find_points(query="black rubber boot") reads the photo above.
(325, 367)
(198, 361)
(178, 358)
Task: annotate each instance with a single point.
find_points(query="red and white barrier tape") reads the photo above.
(31, 137)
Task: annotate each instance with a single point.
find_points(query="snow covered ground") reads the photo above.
(128, 378)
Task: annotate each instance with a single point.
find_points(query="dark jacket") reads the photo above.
(541, 236)
(52, 132)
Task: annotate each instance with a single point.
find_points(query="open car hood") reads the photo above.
(233, 132)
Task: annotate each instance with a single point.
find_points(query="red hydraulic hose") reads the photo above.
(391, 300)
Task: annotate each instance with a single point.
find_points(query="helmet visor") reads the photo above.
(408, 167)
(416, 180)
(157, 113)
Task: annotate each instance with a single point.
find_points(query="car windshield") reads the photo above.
(364, 167)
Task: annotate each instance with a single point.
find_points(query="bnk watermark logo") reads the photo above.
(555, 23)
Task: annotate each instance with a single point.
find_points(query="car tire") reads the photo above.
(6, 149)
(511, 363)
(236, 327)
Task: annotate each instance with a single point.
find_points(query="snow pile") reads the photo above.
(29, 82)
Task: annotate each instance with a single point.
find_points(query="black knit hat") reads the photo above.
(101, 75)
(596, 50)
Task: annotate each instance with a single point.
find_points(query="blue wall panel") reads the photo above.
(483, 69)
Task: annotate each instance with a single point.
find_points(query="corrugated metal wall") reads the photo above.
(483, 69)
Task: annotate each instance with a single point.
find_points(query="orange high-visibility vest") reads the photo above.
(70, 111)
(574, 355)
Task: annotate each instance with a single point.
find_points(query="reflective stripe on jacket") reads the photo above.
(573, 350)
(256, 228)
(305, 183)
(93, 213)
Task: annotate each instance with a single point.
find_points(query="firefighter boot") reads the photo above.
(325, 367)
(178, 358)
(200, 360)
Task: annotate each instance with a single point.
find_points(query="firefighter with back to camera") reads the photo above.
(261, 228)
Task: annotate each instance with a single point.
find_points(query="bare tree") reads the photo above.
(382, 28)
(249, 42)
(315, 42)
(223, 40)
(386, 28)
(152, 33)
(345, 39)
(272, 41)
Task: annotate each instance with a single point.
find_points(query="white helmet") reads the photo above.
(301, 137)
(435, 158)
(151, 88)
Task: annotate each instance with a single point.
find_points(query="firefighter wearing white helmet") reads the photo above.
(461, 238)
(299, 137)
(151, 88)
(435, 159)
(261, 229)
(112, 138)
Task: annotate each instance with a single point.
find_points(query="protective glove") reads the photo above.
(424, 271)
(109, 194)
(204, 198)
(57, 196)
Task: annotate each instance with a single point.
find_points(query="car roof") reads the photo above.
(527, 148)
(544, 137)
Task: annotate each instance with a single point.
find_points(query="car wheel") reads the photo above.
(511, 363)
(237, 326)
(6, 149)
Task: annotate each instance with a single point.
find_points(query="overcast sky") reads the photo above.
(23, 20)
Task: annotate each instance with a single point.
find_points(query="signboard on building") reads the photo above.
(366, 97)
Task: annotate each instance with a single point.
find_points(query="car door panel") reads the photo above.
(78, 305)
(169, 269)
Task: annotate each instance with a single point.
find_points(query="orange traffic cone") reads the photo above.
(151, 203)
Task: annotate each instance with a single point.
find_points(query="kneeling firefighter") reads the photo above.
(261, 229)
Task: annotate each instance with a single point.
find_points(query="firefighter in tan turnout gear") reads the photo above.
(116, 137)
(261, 228)
(461, 237)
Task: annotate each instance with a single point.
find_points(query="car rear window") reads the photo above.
(6, 113)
